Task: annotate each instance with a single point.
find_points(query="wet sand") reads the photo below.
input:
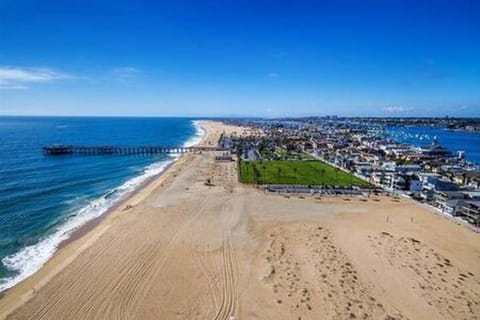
(186, 250)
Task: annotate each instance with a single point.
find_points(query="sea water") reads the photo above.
(44, 199)
(452, 140)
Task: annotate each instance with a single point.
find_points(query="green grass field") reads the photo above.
(296, 172)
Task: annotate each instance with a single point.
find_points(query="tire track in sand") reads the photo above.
(229, 301)
(131, 282)
(131, 301)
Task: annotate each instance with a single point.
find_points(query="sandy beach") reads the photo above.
(181, 249)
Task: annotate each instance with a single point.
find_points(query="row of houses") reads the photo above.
(431, 174)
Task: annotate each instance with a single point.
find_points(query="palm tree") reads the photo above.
(351, 181)
(256, 174)
(322, 174)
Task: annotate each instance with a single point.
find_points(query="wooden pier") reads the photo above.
(62, 149)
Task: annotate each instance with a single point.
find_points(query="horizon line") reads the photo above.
(237, 116)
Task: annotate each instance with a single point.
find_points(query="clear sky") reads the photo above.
(235, 58)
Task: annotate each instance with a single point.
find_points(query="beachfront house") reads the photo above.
(470, 210)
(448, 201)
(454, 202)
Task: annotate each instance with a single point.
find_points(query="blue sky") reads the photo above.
(234, 58)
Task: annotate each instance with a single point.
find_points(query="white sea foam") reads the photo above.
(30, 259)
(200, 132)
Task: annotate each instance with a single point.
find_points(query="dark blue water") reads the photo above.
(453, 140)
(43, 199)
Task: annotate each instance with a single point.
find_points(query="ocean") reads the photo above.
(43, 199)
(453, 140)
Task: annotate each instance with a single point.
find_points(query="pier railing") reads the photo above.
(122, 150)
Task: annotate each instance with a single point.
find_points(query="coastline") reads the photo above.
(130, 199)
(191, 250)
(29, 259)
(89, 225)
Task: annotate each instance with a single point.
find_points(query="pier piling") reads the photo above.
(62, 149)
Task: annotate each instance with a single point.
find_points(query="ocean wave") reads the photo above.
(30, 259)
(199, 133)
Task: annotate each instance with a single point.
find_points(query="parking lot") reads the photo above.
(315, 190)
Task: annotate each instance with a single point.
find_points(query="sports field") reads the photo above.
(296, 172)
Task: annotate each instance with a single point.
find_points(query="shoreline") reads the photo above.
(191, 250)
(91, 224)
(84, 230)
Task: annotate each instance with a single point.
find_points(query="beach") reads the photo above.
(181, 248)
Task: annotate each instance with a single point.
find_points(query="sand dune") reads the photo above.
(186, 250)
